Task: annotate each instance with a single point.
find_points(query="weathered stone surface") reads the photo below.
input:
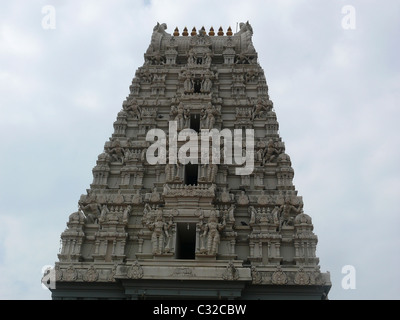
(142, 221)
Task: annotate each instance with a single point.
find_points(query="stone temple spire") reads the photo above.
(193, 194)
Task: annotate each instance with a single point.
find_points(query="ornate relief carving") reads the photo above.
(112, 273)
(243, 199)
(279, 277)
(59, 273)
(255, 275)
(301, 277)
(230, 273)
(316, 277)
(91, 275)
(135, 271)
(189, 191)
(183, 272)
(70, 274)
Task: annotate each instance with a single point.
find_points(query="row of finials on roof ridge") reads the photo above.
(202, 31)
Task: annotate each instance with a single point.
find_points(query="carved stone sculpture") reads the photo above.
(211, 231)
(160, 233)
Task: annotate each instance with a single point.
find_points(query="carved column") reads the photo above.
(140, 249)
(278, 251)
(73, 246)
(114, 247)
(97, 245)
(63, 248)
(251, 245)
(296, 246)
(233, 244)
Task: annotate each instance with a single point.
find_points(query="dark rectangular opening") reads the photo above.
(197, 86)
(185, 241)
(191, 174)
(195, 122)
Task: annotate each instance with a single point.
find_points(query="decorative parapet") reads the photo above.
(290, 276)
(179, 190)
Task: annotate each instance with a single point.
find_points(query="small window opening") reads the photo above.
(185, 241)
(197, 86)
(195, 122)
(191, 174)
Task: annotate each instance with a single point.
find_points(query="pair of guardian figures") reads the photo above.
(161, 236)
(181, 115)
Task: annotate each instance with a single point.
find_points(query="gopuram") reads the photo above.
(193, 195)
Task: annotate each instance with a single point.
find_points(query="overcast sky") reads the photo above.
(335, 91)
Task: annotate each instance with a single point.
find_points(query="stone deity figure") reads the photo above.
(180, 116)
(208, 116)
(212, 172)
(132, 109)
(275, 215)
(147, 215)
(91, 219)
(253, 215)
(158, 34)
(258, 109)
(243, 199)
(92, 207)
(271, 153)
(137, 198)
(191, 58)
(286, 209)
(186, 117)
(206, 84)
(117, 152)
(155, 196)
(245, 180)
(246, 33)
(262, 199)
(260, 155)
(169, 172)
(168, 226)
(225, 196)
(231, 213)
(188, 84)
(160, 231)
(127, 213)
(104, 212)
(211, 230)
(207, 59)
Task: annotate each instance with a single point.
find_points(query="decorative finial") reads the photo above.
(220, 32)
(211, 33)
(203, 31)
(229, 32)
(185, 32)
(176, 32)
(194, 32)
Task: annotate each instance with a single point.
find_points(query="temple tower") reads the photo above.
(193, 195)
